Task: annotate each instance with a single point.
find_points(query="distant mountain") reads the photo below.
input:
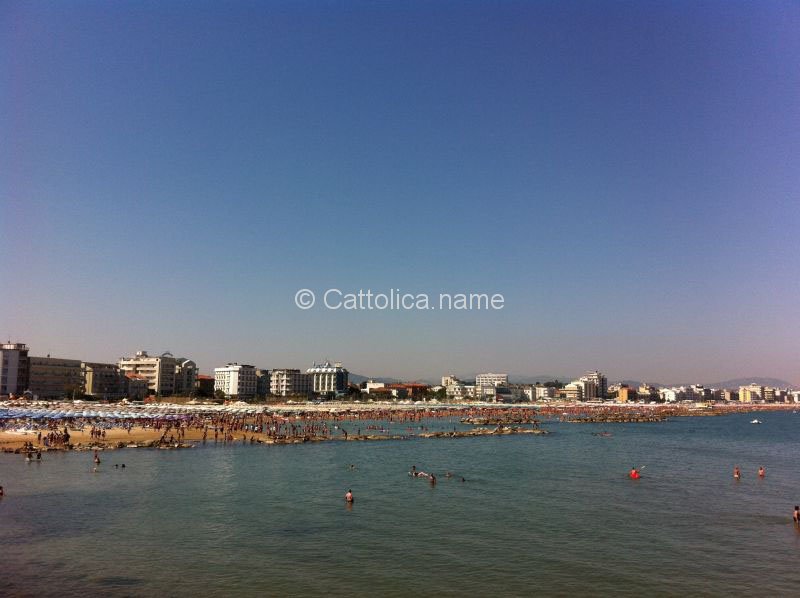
(358, 379)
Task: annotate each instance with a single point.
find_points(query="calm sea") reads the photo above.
(550, 515)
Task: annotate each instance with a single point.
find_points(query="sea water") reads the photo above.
(548, 515)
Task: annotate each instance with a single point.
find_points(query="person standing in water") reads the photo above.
(737, 473)
(795, 515)
(761, 472)
(348, 497)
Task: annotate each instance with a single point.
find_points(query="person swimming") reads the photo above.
(348, 497)
(761, 472)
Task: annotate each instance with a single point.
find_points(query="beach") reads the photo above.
(102, 426)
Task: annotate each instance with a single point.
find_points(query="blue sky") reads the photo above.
(625, 174)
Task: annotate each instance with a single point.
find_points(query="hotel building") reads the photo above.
(289, 382)
(166, 375)
(236, 380)
(491, 379)
(327, 378)
(53, 377)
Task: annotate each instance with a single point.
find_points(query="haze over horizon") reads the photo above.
(626, 175)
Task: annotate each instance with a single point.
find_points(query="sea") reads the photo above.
(552, 515)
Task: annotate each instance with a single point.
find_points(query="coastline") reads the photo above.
(172, 425)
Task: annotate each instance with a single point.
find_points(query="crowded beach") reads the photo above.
(46, 426)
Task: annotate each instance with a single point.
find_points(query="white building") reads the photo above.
(372, 385)
(491, 379)
(158, 370)
(545, 392)
(574, 391)
(327, 378)
(460, 392)
(236, 380)
(450, 380)
(289, 382)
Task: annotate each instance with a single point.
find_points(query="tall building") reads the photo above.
(289, 382)
(13, 368)
(491, 379)
(53, 377)
(262, 382)
(103, 380)
(166, 375)
(327, 378)
(600, 382)
(185, 376)
(236, 380)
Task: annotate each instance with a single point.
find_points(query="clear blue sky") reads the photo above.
(626, 174)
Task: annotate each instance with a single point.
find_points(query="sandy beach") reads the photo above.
(295, 423)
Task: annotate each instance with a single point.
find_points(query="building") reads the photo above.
(371, 385)
(262, 382)
(327, 378)
(751, 393)
(136, 387)
(544, 393)
(13, 369)
(459, 392)
(450, 380)
(600, 383)
(185, 376)
(103, 380)
(204, 385)
(236, 380)
(413, 390)
(588, 388)
(730, 395)
(490, 379)
(54, 378)
(647, 393)
(573, 391)
(626, 394)
(290, 382)
(158, 370)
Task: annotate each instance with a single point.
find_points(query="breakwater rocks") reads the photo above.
(499, 421)
(615, 418)
(498, 431)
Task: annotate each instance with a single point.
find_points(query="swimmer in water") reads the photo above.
(349, 496)
(737, 473)
(761, 472)
(795, 515)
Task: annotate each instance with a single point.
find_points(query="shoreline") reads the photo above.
(100, 426)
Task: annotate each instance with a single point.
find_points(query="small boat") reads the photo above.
(755, 421)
